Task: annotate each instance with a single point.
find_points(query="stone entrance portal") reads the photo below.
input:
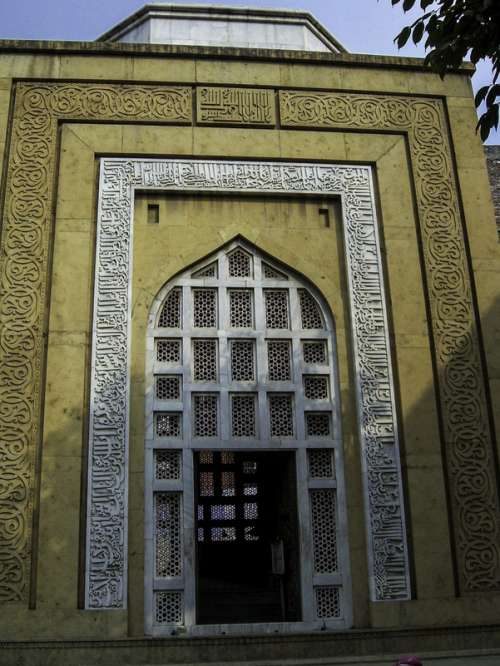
(241, 354)
(247, 537)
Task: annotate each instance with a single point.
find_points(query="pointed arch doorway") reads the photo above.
(246, 517)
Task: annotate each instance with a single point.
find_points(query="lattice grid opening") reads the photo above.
(169, 351)
(168, 387)
(167, 464)
(242, 360)
(168, 535)
(281, 415)
(171, 312)
(206, 457)
(250, 510)
(276, 302)
(205, 360)
(328, 605)
(243, 418)
(209, 271)
(168, 424)
(321, 463)
(271, 273)
(223, 533)
(239, 264)
(207, 487)
(314, 352)
(309, 311)
(318, 424)
(205, 308)
(205, 415)
(241, 292)
(279, 360)
(169, 608)
(227, 457)
(316, 387)
(241, 308)
(324, 530)
(249, 533)
(227, 481)
(223, 512)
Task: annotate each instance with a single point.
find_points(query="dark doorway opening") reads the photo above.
(247, 537)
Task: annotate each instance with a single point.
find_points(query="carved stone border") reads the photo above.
(463, 401)
(25, 249)
(26, 239)
(108, 430)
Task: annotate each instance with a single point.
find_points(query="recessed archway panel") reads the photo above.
(108, 430)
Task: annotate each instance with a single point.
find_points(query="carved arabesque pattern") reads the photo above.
(24, 255)
(106, 563)
(470, 458)
(23, 265)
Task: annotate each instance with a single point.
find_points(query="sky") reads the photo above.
(362, 26)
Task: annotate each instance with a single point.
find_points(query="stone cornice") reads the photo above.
(209, 52)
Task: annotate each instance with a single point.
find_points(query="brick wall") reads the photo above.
(493, 162)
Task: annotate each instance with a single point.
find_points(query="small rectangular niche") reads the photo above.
(324, 214)
(153, 214)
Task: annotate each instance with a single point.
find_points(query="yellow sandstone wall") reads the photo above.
(191, 227)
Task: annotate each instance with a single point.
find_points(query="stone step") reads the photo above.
(437, 646)
(458, 658)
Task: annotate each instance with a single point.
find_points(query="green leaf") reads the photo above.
(495, 115)
(480, 95)
(475, 55)
(488, 121)
(418, 32)
(408, 4)
(403, 37)
(492, 95)
(431, 25)
(484, 128)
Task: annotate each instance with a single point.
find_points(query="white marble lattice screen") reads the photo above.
(244, 325)
(106, 554)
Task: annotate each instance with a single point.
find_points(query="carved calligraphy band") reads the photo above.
(107, 489)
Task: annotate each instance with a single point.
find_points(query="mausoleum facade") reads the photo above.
(249, 348)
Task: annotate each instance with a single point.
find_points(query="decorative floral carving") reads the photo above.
(23, 281)
(469, 448)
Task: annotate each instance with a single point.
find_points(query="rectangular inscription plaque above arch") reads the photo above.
(106, 558)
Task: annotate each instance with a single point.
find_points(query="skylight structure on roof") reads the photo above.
(226, 27)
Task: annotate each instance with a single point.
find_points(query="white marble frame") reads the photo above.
(106, 547)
